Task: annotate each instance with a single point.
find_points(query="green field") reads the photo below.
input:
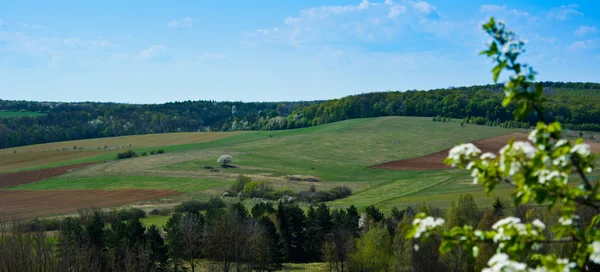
(20, 114)
(337, 153)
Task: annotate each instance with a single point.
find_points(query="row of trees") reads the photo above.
(576, 104)
(263, 238)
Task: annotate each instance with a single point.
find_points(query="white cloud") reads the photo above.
(152, 52)
(291, 20)
(365, 21)
(423, 7)
(396, 10)
(71, 42)
(491, 8)
(97, 44)
(213, 56)
(582, 45)
(564, 12)
(186, 22)
(584, 30)
(32, 26)
(519, 13)
(546, 39)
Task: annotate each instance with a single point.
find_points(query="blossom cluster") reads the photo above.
(423, 225)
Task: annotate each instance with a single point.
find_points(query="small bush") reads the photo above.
(160, 151)
(132, 213)
(333, 194)
(239, 184)
(126, 154)
(208, 167)
(280, 193)
(312, 189)
(256, 189)
(144, 154)
(195, 206)
(154, 212)
(152, 152)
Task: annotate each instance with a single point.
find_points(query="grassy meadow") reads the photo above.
(338, 153)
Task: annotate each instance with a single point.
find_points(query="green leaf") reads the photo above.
(496, 71)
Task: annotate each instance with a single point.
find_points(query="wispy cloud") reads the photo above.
(491, 8)
(89, 44)
(186, 22)
(546, 39)
(584, 30)
(152, 52)
(213, 56)
(582, 45)
(564, 12)
(32, 26)
(363, 21)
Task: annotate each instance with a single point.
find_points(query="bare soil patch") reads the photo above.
(435, 161)
(30, 204)
(19, 178)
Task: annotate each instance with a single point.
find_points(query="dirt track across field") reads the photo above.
(435, 161)
(19, 178)
(30, 204)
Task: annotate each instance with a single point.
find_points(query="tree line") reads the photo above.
(577, 105)
(263, 238)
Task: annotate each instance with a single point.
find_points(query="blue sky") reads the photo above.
(158, 51)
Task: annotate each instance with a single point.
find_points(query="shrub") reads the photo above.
(160, 151)
(154, 212)
(312, 189)
(131, 214)
(225, 160)
(280, 193)
(126, 154)
(256, 189)
(195, 206)
(332, 194)
(239, 184)
(152, 152)
(144, 154)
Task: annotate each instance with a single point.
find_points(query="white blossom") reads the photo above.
(561, 161)
(547, 175)
(466, 151)
(488, 156)
(501, 262)
(506, 221)
(538, 224)
(533, 135)
(565, 221)
(595, 256)
(560, 143)
(518, 149)
(426, 224)
(581, 149)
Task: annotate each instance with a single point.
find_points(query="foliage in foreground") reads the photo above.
(539, 170)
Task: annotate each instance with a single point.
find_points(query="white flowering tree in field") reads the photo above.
(225, 160)
(547, 170)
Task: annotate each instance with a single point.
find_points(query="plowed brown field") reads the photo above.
(18, 178)
(30, 204)
(436, 160)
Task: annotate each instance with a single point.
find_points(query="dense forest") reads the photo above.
(577, 105)
(233, 238)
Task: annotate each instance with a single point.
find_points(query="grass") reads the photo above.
(55, 154)
(157, 220)
(337, 153)
(125, 182)
(20, 114)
